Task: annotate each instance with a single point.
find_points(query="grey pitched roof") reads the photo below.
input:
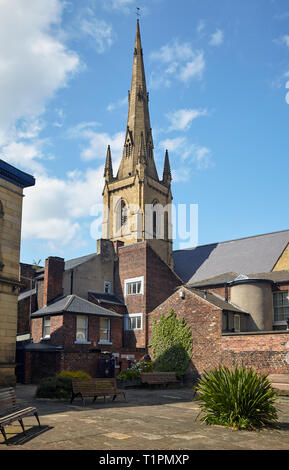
(74, 304)
(107, 298)
(217, 301)
(72, 263)
(27, 293)
(255, 254)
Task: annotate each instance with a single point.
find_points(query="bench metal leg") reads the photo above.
(37, 417)
(3, 432)
(22, 425)
(114, 397)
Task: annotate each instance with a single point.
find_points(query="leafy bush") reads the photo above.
(78, 374)
(171, 344)
(129, 374)
(59, 386)
(240, 398)
(143, 366)
(54, 387)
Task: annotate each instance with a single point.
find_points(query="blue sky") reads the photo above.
(218, 77)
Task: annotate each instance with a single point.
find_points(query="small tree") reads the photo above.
(171, 344)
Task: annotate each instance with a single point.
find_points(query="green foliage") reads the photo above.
(240, 398)
(78, 374)
(59, 386)
(54, 387)
(129, 374)
(135, 371)
(171, 344)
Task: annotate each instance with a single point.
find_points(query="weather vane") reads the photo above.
(137, 12)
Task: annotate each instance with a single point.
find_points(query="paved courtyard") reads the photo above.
(149, 420)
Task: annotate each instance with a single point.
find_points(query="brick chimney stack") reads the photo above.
(53, 276)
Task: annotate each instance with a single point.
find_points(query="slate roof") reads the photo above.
(107, 298)
(72, 263)
(217, 301)
(27, 293)
(257, 254)
(275, 276)
(73, 304)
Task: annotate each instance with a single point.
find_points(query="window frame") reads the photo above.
(134, 280)
(280, 322)
(107, 284)
(82, 341)
(105, 341)
(44, 326)
(133, 315)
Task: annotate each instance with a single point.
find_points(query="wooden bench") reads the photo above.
(10, 411)
(159, 378)
(95, 388)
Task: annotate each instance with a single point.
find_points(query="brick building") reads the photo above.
(233, 294)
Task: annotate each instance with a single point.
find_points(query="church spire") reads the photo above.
(108, 172)
(138, 120)
(167, 176)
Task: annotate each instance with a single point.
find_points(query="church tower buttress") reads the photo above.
(136, 203)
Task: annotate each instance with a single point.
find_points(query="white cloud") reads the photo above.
(217, 38)
(176, 61)
(117, 104)
(182, 119)
(96, 143)
(124, 6)
(34, 61)
(194, 68)
(98, 30)
(54, 207)
(286, 40)
(192, 154)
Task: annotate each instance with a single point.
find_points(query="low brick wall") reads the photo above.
(265, 351)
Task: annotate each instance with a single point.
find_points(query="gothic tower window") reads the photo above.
(155, 219)
(123, 213)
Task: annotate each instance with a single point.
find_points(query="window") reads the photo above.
(107, 287)
(46, 327)
(133, 286)
(281, 306)
(104, 330)
(133, 321)
(237, 323)
(81, 329)
(123, 213)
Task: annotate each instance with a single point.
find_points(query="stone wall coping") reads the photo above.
(248, 333)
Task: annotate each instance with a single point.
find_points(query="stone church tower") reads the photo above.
(136, 203)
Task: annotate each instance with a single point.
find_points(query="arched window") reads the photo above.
(155, 219)
(123, 213)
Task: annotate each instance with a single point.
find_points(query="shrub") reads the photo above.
(134, 372)
(129, 374)
(59, 386)
(171, 344)
(78, 374)
(54, 387)
(240, 398)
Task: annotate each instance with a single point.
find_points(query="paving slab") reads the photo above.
(148, 420)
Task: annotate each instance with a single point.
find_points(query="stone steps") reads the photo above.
(280, 381)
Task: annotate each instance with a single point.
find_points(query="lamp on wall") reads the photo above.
(182, 294)
(287, 321)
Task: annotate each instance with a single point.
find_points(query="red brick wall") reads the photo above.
(265, 352)
(205, 321)
(159, 282)
(52, 288)
(24, 313)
